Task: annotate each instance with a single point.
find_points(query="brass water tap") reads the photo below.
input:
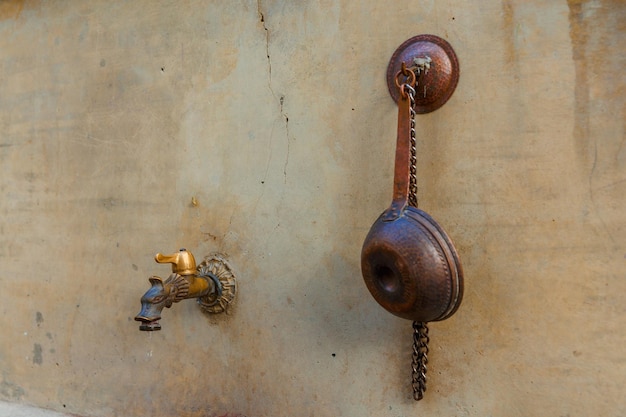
(212, 283)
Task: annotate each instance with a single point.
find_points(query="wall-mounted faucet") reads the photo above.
(212, 283)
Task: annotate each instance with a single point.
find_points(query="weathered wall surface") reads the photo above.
(275, 117)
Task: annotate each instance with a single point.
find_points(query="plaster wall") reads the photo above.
(273, 117)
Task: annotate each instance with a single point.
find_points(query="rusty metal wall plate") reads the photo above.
(439, 78)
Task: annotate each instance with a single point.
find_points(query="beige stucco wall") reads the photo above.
(275, 117)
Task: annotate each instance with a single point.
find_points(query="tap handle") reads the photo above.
(183, 262)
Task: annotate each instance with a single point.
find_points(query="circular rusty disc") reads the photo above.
(436, 85)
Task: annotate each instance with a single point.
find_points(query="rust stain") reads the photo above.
(579, 36)
(508, 16)
(511, 29)
(10, 9)
(595, 29)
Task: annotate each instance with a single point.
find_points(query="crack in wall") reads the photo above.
(281, 99)
(284, 115)
(267, 45)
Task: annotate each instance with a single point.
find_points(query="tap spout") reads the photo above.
(164, 293)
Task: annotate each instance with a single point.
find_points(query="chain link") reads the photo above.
(420, 329)
(420, 359)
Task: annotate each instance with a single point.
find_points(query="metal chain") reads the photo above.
(420, 359)
(420, 329)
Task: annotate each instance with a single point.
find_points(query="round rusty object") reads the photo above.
(436, 85)
(411, 267)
